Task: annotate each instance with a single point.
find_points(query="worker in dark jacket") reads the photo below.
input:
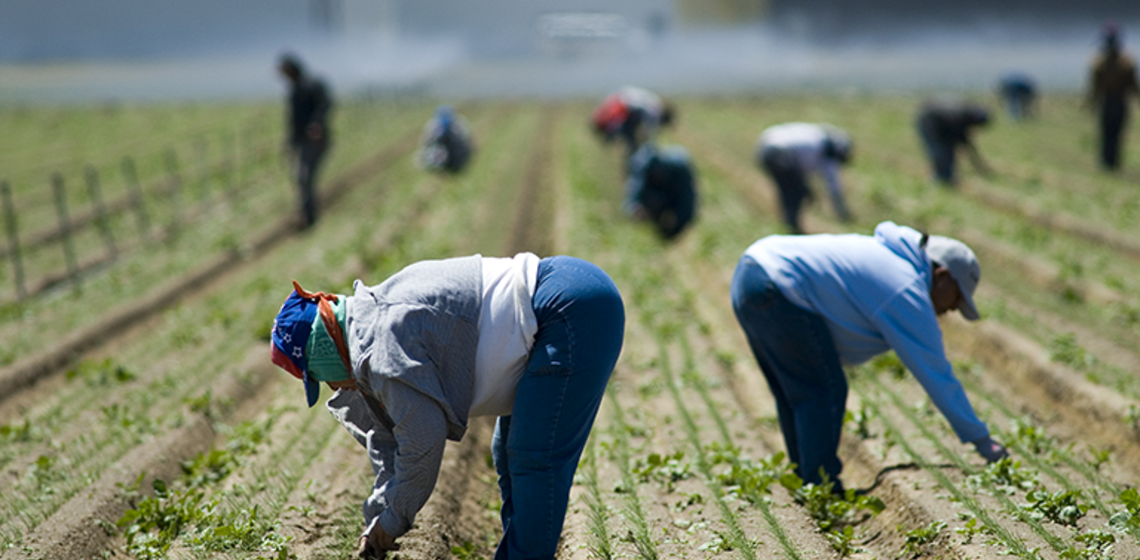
(1018, 92)
(944, 127)
(661, 188)
(1112, 86)
(307, 129)
(446, 143)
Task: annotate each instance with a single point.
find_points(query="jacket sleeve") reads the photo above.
(909, 324)
(410, 457)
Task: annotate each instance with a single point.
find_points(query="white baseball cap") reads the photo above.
(963, 267)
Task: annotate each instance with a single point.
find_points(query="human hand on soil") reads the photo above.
(376, 544)
(991, 450)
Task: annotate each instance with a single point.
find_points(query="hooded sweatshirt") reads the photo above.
(874, 295)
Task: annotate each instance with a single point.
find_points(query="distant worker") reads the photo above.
(789, 152)
(307, 129)
(530, 341)
(661, 188)
(944, 127)
(810, 305)
(1018, 92)
(1112, 86)
(446, 144)
(632, 114)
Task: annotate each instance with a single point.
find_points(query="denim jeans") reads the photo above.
(581, 322)
(941, 153)
(798, 357)
(790, 182)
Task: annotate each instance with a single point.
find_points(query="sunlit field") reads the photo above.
(140, 416)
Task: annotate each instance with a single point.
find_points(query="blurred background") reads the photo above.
(69, 50)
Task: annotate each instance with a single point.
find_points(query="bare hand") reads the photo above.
(376, 544)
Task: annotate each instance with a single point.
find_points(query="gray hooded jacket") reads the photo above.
(412, 342)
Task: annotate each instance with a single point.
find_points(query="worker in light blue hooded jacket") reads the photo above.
(811, 304)
(532, 341)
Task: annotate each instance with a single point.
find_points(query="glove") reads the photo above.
(991, 450)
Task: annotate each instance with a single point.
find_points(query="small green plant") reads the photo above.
(1023, 431)
(99, 373)
(1005, 475)
(971, 530)
(1098, 546)
(666, 469)
(1130, 517)
(917, 538)
(1061, 507)
(466, 551)
(1064, 349)
(842, 541)
(861, 421)
(890, 363)
(1100, 457)
(21, 433)
(831, 510)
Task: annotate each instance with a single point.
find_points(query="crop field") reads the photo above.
(140, 416)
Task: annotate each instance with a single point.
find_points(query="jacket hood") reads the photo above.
(905, 242)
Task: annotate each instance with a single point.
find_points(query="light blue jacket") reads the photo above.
(874, 295)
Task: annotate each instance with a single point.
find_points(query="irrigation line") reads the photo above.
(692, 433)
(1015, 544)
(693, 377)
(1053, 541)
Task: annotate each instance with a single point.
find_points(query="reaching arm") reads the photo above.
(911, 328)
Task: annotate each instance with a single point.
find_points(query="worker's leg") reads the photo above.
(581, 322)
(795, 351)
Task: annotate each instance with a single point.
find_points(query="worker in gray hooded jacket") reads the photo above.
(532, 341)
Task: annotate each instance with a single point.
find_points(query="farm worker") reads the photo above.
(446, 142)
(661, 188)
(789, 152)
(307, 130)
(1112, 85)
(811, 304)
(946, 125)
(633, 114)
(531, 341)
(1018, 92)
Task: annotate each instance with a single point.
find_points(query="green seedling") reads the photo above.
(21, 433)
(842, 541)
(831, 510)
(101, 373)
(920, 537)
(860, 421)
(1098, 546)
(466, 551)
(972, 529)
(1064, 349)
(1061, 507)
(1100, 457)
(1023, 431)
(890, 363)
(1006, 475)
(1130, 517)
(667, 469)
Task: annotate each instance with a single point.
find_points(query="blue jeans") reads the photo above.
(581, 322)
(798, 357)
(940, 151)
